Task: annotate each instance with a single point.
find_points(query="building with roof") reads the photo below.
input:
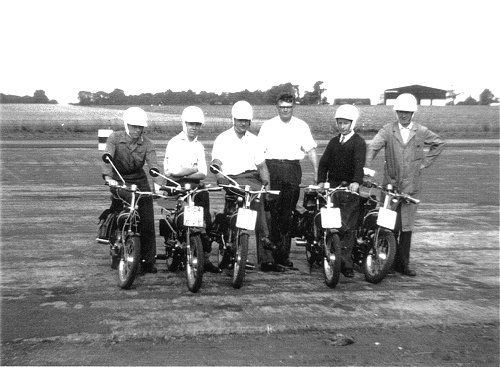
(426, 96)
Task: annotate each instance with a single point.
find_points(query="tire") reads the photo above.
(375, 266)
(194, 262)
(240, 259)
(129, 261)
(332, 260)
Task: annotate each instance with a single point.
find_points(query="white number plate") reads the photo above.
(387, 218)
(330, 218)
(193, 216)
(246, 219)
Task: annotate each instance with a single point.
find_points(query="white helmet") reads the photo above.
(405, 102)
(192, 114)
(348, 112)
(242, 110)
(135, 116)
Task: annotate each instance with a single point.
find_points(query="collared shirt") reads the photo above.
(405, 131)
(344, 138)
(129, 156)
(237, 154)
(286, 140)
(182, 153)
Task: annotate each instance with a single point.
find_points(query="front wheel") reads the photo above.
(240, 259)
(332, 259)
(194, 262)
(380, 256)
(129, 261)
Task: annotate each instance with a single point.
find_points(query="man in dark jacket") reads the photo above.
(342, 164)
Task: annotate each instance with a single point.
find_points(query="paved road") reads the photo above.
(60, 296)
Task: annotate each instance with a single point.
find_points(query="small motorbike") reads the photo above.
(317, 229)
(182, 227)
(375, 248)
(230, 228)
(124, 239)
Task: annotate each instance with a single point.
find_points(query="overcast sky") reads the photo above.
(357, 48)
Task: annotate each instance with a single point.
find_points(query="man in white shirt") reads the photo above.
(185, 163)
(286, 139)
(238, 154)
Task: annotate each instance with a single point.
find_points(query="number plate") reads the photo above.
(387, 218)
(193, 216)
(330, 218)
(246, 219)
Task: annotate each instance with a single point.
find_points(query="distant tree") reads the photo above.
(487, 97)
(469, 101)
(40, 97)
(85, 98)
(117, 97)
(314, 97)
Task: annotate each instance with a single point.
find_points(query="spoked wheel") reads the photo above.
(129, 261)
(240, 259)
(380, 257)
(332, 259)
(194, 263)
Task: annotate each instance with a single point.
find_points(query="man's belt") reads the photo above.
(283, 160)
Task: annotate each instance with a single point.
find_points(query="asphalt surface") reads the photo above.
(60, 303)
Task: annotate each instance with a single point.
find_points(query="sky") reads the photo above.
(357, 48)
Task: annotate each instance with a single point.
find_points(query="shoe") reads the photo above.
(269, 266)
(287, 264)
(409, 272)
(211, 268)
(348, 273)
(149, 268)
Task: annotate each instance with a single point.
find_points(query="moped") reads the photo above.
(124, 239)
(317, 228)
(231, 227)
(182, 227)
(375, 248)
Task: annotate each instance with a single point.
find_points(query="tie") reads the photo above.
(342, 140)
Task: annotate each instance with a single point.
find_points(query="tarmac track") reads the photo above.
(60, 303)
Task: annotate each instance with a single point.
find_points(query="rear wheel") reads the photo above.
(332, 259)
(240, 259)
(194, 262)
(129, 261)
(380, 257)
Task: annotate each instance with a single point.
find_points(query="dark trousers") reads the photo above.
(349, 212)
(403, 245)
(286, 177)
(146, 223)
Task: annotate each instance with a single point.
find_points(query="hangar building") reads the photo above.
(426, 96)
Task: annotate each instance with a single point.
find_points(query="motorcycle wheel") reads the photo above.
(240, 259)
(332, 260)
(376, 266)
(129, 261)
(194, 263)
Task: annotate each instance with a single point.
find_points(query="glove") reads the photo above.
(354, 187)
(111, 182)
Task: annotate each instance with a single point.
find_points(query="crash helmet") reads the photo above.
(192, 114)
(405, 102)
(348, 112)
(242, 110)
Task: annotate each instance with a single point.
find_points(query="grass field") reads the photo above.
(53, 121)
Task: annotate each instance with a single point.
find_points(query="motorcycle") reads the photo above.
(317, 229)
(182, 228)
(230, 228)
(375, 248)
(122, 229)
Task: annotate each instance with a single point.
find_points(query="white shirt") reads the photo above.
(182, 153)
(346, 137)
(405, 131)
(288, 140)
(237, 155)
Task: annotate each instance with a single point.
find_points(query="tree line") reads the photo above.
(118, 97)
(38, 97)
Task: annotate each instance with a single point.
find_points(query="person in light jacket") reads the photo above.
(404, 141)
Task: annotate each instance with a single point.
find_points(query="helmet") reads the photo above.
(348, 112)
(135, 116)
(405, 102)
(242, 110)
(193, 114)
